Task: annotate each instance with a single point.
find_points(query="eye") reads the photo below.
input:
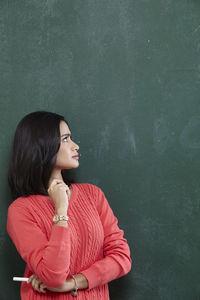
(65, 139)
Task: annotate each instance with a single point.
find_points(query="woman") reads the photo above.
(66, 232)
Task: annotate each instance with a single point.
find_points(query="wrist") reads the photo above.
(61, 211)
(75, 289)
(60, 220)
(69, 285)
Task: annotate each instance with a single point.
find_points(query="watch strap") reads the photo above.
(74, 292)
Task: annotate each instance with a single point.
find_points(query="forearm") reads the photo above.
(47, 255)
(53, 268)
(69, 284)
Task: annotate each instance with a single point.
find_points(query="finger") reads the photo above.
(36, 284)
(56, 185)
(31, 278)
(68, 193)
(42, 288)
(55, 182)
(60, 186)
(64, 186)
(52, 185)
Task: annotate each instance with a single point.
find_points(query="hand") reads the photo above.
(69, 284)
(59, 192)
(37, 284)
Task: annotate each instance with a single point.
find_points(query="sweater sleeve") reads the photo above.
(47, 258)
(116, 261)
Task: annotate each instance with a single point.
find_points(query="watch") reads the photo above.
(57, 218)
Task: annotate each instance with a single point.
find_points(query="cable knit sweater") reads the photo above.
(92, 244)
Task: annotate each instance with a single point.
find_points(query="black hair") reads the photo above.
(33, 155)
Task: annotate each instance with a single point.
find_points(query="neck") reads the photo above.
(56, 174)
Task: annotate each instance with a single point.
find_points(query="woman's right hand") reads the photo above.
(59, 192)
(37, 284)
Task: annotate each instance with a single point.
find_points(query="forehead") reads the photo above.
(64, 129)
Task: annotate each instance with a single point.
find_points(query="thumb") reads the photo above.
(31, 278)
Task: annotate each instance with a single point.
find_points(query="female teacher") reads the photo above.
(65, 232)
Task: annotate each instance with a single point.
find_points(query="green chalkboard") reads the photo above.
(126, 75)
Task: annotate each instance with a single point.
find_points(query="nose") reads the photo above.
(75, 146)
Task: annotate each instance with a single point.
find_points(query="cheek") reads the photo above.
(63, 154)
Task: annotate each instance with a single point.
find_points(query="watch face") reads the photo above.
(55, 218)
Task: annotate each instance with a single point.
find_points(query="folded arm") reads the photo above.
(43, 256)
(67, 286)
(116, 261)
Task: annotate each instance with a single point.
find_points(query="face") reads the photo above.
(67, 156)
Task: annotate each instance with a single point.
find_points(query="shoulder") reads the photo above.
(89, 188)
(19, 202)
(27, 209)
(25, 202)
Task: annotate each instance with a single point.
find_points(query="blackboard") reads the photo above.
(126, 75)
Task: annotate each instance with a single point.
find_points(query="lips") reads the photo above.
(75, 156)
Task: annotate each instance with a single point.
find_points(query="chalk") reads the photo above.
(20, 279)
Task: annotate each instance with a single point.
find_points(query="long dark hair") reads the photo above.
(34, 151)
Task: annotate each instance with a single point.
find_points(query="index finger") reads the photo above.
(55, 181)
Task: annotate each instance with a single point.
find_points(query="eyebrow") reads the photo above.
(66, 135)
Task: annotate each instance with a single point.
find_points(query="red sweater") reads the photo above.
(92, 244)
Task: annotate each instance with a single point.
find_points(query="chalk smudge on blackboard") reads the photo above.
(160, 135)
(190, 136)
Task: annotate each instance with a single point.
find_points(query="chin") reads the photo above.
(74, 166)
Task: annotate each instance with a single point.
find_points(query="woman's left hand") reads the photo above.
(67, 286)
(37, 284)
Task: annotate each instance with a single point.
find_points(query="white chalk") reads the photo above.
(20, 279)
